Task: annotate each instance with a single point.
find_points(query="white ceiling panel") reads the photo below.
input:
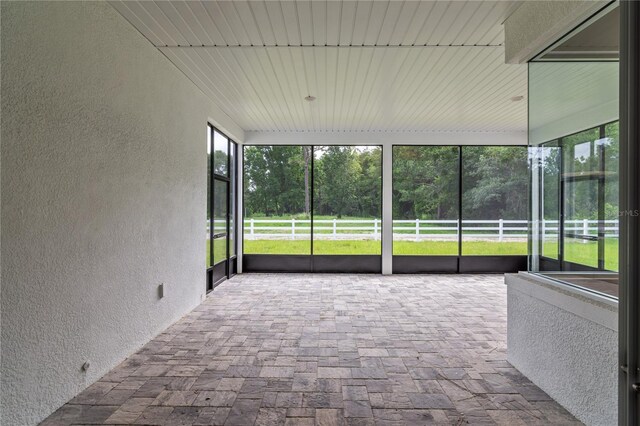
(372, 65)
(319, 22)
(360, 88)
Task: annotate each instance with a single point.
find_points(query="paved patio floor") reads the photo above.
(272, 349)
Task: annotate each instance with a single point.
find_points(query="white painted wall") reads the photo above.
(565, 340)
(0, 229)
(103, 198)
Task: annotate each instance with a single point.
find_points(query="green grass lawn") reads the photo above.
(219, 250)
(577, 252)
(587, 253)
(304, 247)
(374, 247)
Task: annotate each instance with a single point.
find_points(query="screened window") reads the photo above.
(347, 206)
(209, 175)
(232, 199)
(425, 200)
(313, 200)
(220, 209)
(277, 199)
(221, 154)
(494, 200)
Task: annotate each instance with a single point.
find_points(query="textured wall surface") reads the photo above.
(103, 198)
(567, 345)
(537, 24)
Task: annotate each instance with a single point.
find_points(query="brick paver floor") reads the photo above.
(327, 350)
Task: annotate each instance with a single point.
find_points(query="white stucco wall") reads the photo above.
(566, 342)
(103, 198)
(0, 229)
(535, 25)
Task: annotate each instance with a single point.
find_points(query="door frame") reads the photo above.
(225, 269)
(629, 300)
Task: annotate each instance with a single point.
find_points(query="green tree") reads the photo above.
(274, 179)
(425, 182)
(336, 185)
(369, 183)
(495, 182)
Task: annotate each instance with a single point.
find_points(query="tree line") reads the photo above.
(427, 182)
(346, 181)
(340, 180)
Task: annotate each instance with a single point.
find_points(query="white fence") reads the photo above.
(362, 229)
(417, 230)
(581, 227)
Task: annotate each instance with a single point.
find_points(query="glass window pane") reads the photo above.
(347, 204)
(425, 200)
(550, 158)
(581, 222)
(209, 264)
(571, 103)
(494, 200)
(611, 196)
(221, 154)
(276, 200)
(580, 179)
(219, 220)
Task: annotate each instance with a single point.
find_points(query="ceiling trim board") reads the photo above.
(385, 138)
